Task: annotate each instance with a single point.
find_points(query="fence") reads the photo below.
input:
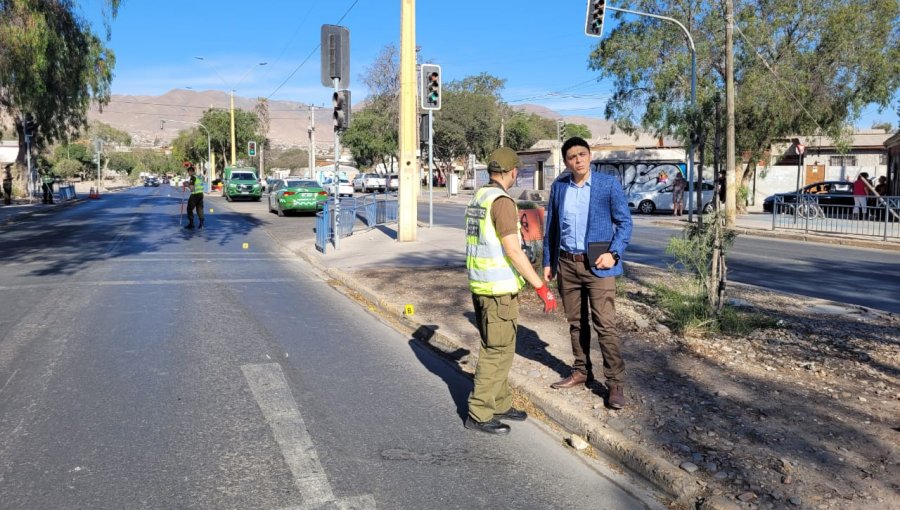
(879, 217)
(67, 192)
(372, 210)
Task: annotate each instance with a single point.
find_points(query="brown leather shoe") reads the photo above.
(616, 395)
(574, 379)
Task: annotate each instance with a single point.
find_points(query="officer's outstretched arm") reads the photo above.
(513, 249)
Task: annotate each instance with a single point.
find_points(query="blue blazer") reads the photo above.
(608, 218)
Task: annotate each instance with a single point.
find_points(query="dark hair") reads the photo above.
(575, 141)
(864, 175)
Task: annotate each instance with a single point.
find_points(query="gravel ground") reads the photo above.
(802, 415)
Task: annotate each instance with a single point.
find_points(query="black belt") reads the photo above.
(574, 257)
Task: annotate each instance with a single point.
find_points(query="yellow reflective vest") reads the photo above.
(198, 185)
(491, 272)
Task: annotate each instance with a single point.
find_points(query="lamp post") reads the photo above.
(208, 146)
(233, 142)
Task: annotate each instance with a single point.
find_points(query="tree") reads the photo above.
(886, 126)
(523, 130)
(801, 67)
(218, 122)
(51, 67)
(109, 135)
(372, 138)
(579, 130)
(69, 168)
(262, 115)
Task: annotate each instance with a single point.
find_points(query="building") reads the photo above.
(824, 160)
(892, 146)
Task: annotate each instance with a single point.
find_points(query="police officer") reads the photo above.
(497, 269)
(47, 186)
(195, 184)
(7, 184)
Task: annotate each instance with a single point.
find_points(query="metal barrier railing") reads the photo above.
(880, 216)
(373, 210)
(67, 192)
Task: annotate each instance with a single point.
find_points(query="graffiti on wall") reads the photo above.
(638, 176)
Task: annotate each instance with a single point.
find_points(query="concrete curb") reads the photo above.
(26, 214)
(791, 236)
(665, 476)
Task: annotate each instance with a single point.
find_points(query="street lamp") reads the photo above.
(208, 146)
(233, 143)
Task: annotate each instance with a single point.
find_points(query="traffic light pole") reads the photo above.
(430, 168)
(690, 154)
(336, 180)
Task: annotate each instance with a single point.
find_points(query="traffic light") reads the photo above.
(431, 87)
(341, 102)
(251, 149)
(561, 130)
(596, 10)
(423, 128)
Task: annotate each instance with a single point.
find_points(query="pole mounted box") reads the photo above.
(431, 87)
(335, 55)
(596, 11)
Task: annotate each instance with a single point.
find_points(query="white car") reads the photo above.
(344, 187)
(660, 199)
(367, 183)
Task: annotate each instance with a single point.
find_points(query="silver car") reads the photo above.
(660, 199)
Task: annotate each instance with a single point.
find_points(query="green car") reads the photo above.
(294, 194)
(241, 183)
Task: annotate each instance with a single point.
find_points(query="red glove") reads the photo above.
(547, 297)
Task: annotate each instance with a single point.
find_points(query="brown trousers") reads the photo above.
(588, 299)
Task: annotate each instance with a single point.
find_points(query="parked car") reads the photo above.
(393, 182)
(344, 187)
(660, 199)
(242, 184)
(367, 183)
(287, 195)
(827, 193)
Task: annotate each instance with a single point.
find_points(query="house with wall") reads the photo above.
(824, 160)
(892, 146)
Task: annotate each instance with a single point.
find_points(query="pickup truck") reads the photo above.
(367, 183)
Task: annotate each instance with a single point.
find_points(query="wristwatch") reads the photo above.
(615, 256)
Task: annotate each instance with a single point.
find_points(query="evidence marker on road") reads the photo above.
(273, 395)
(245, 246)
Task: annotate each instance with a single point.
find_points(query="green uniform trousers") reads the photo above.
(497, 318)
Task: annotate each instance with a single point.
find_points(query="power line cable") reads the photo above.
(311, 53)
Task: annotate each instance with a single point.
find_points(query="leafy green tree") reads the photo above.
(468, 122)
(109, 135)
(121, 162)
(52, 66)
(523, 130)
(372, 138)
(579, 130)
(219, 124)
(69, 168)
(801, 67)
(73, 151)
(886, 126)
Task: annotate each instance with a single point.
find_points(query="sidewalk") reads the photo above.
(690, 399)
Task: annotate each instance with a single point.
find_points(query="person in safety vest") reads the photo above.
(47, 186)
(588, 228)
(498, 269)
(195, 184)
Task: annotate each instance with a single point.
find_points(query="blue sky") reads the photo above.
(538, 46)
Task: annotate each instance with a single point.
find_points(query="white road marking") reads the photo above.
(274, 398)
(186, 281)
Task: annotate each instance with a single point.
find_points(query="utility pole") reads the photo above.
(407, 216)
(730, 191)
(502, 132)
(312, 141)
(233, 146)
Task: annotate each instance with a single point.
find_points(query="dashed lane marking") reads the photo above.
(272, 394)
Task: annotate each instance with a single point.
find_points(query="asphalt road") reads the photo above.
(860, 276)
(145, 366)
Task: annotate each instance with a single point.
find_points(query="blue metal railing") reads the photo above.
(372, 210)
(880, 216)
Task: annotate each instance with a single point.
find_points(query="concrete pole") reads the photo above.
(430, 168)
(336, 180)
(407, 214)
(233, 146)
(312, 142)
(730, 191)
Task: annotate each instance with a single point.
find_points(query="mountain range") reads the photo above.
(140, 116)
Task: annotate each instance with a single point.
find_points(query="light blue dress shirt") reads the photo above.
(573, 223)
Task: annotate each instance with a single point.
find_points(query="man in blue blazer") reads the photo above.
(588, 228)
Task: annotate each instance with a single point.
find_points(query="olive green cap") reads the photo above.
(503, 159)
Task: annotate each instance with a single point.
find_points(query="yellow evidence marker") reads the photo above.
(246, 246)
(409, 310)
(211, 209)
